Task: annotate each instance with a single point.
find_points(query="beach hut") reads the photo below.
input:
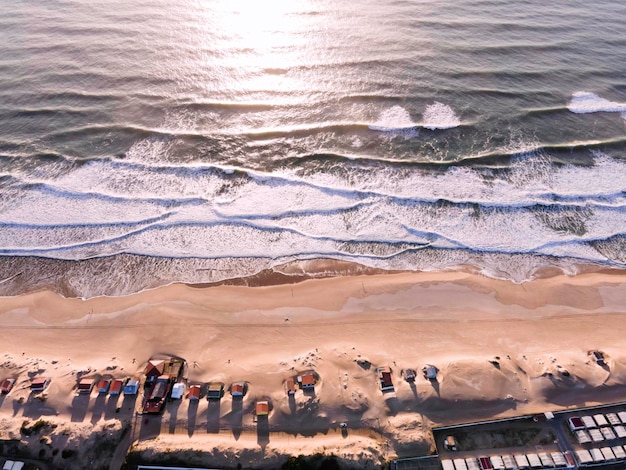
(409, 375)
(103, 385)
(85, 386)
(472, 463)
(598, 356)
(154, 369)
(306, 381)
(132, 387)
(385, 382)
(622, 416)
(6, 386)
(290, 386)
(178, 390)
(430, 372)
(237, 389)
(194, 392)
(262, 408)
(117, 386)
(216, 390)
(39, 384)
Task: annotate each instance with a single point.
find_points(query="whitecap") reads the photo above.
(585, 102)
(396, 120)
(440, 116)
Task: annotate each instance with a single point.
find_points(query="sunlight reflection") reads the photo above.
(267, 35)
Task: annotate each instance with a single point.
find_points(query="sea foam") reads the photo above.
(440, 116)
(395, 120)
(585, 102)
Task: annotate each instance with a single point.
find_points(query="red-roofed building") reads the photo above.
(237, 389)
(103, 385)
(117, 386)
(85, 386)
(39, 384)
(154, 369)
(262, 408)
(194, 392)
(384, 379)
(290, 386)
(6, 386)
(307, 381)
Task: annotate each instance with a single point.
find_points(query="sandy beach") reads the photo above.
(501, 349)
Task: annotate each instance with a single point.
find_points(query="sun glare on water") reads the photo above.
(265, 38)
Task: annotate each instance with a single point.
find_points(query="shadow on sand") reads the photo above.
(235, 417)
(213, 416)
(393, 404)
(435, 384)
(192, 414)
(263, 432)
(80, 403)
(98, 408)
(111, 409)
(150, 426)
(172, 410)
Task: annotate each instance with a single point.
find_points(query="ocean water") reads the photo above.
(153, 141)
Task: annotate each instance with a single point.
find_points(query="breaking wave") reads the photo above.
(377, 214)
(440, 116)
(584, 102)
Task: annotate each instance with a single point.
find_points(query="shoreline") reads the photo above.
(343, 328)
(124, 275)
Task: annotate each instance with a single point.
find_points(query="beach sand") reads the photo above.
(501, 349)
